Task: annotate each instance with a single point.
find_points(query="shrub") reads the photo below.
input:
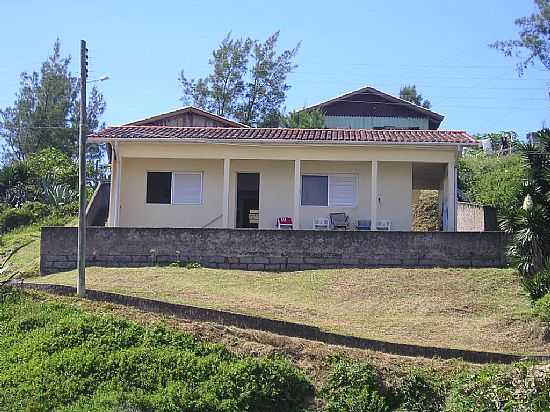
(542, 308)
(421, 391)
(56, 165)
(425, 213)
(518, 388)
(538, 285)
(71, 360)
(493, 181)
(13, 218)
(37, 210)
(353, 386)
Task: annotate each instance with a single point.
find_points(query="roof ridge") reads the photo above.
(286, 128)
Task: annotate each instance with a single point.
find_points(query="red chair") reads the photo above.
(284, 223)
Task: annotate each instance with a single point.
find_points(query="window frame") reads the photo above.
(173, 173)
(329, 176)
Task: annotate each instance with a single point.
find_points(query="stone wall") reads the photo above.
(475, 218)
(273, 250)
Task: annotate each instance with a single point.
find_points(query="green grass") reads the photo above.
(479, 309)
(56, 357)
(26, 242)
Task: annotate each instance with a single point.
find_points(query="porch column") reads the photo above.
(225, 205)
(374, 194)
(112, 195)
(297, 192)
(451, 197)
(118, 178)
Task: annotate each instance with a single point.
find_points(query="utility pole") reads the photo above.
(81, 258)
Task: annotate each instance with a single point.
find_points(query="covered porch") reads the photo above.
(252, 186)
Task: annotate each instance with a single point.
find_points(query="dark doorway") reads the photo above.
(248, 199)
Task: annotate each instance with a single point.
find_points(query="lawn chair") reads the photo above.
(284, 223)
(339, 221)
(321, 223)
(384, 225)
(363, 224)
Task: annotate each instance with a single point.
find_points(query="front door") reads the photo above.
(248, 200)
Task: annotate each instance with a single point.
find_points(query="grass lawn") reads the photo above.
(480, 309)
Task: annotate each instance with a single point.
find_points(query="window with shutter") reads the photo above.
(343, 190)
(314, 190)
(187, 188)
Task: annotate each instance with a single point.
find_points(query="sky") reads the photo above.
(441, 46)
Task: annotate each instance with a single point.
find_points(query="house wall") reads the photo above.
(276, 181)
(134, 212)
(370, 122)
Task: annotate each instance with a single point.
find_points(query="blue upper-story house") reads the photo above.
(369, 108)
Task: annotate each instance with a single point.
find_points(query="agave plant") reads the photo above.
(56, 194)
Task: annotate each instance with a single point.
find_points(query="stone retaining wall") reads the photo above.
(273, 250)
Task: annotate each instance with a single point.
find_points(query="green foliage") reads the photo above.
(13, 218)
(248, 81)
(493, 180)
(409, 93)
(46, 111)
(73, 361)
(529, 225)
(55, 165)
(533, 38)
(353, 387)
(422, 391)
(538, 285)
(518, 388)
(425, 213)
(310, 119)
(542, 308)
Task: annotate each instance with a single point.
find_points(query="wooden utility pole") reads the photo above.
(81, 258)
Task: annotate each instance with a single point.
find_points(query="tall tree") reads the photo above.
(534, 38)
(46, 111)
(247, 83)
(310, 119)
(409, 93)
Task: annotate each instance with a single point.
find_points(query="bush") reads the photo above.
(37, 210)
(421, 391)
(493, 181)
(538, 285)
(542, 308)
(425, 213)
(73, 361)
(518, 388)
(353, 386)
(13, 218)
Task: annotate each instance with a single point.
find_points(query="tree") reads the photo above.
(409, 93)
(46, 111)
(534, 38)
(248, 81)
(304, 119)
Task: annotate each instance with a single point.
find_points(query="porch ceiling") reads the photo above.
(427, 176)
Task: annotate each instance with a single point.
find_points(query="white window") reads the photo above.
(187, 188)
(338, 190)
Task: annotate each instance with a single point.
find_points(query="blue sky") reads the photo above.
(439, 45)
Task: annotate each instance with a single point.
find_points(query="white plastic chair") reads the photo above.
(321, 223)
(384, 225)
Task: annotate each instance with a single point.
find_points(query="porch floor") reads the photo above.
(478, 309)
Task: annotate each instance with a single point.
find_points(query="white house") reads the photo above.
(190, 168)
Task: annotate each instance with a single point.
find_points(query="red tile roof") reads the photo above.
(290, 135)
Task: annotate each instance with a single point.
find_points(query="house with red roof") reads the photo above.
(191, 168)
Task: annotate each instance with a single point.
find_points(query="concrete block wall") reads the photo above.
(270, 250)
